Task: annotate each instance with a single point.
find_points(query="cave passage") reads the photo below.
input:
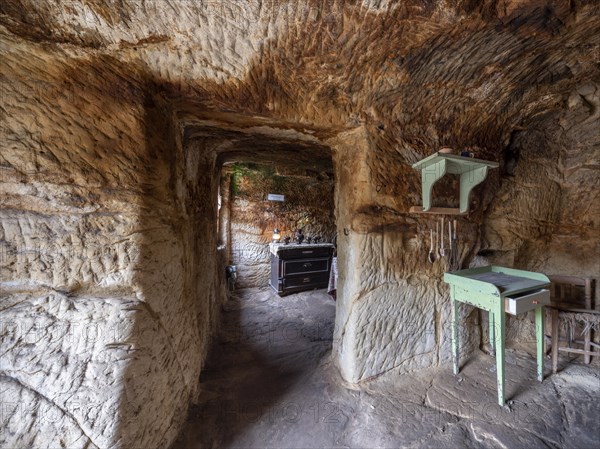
(261, 373)
(138, 142)
(270, 382)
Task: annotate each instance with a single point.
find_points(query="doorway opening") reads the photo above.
(267, 346)
(264, 203)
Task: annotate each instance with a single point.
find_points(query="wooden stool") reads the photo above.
(571, 301)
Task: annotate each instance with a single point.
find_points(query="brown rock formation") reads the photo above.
(116, 120)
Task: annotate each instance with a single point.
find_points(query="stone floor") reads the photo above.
(270, 383)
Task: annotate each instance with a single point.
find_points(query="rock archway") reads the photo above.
(116, 120)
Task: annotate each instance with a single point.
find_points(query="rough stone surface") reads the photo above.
(101, 291)
(270, 382)
(390, 297)
(117, 118)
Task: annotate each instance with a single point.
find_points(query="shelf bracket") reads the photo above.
(468, 180)
(429, 176)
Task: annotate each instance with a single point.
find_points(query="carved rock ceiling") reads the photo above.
(419, 74)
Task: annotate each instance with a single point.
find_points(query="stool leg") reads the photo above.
(555, 332)
(539, 336)
(588, 335)
(587, 346)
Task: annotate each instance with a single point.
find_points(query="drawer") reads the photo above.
(309, 253)
(318, 280)
(300, 266)
(526, 301)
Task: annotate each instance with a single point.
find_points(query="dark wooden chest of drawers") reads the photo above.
(297, 269)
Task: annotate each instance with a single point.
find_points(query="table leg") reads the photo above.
(500, 320)
(454, 331)
(539, 336)
(492, 334)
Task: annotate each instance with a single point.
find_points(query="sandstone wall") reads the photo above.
(105, 314)
(89, 163)
(308, 205)
(393, 309)
(538, 212)
(545, 215)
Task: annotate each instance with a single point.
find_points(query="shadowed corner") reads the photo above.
(179, 281)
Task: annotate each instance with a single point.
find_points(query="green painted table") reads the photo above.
(500, 290)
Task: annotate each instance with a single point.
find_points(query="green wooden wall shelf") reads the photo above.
(472, 172)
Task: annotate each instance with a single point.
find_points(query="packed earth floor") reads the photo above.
(270, 382)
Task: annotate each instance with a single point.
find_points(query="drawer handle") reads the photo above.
(307, 265)
(307, 252)
(535, 301)
(305, 280)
